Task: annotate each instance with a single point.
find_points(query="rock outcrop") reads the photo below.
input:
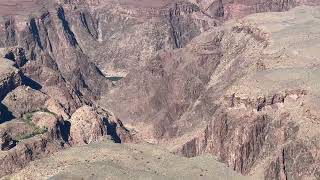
(176, 72)
(24, 152)
(91, 125)
(41, 132)
(10, 77)
(46, 50)
(232, 93)
(24, 100)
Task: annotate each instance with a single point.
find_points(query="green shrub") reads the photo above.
(36, 131)
(28, 117)
(114, 78)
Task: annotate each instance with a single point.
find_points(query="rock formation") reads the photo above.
(236, 100)
(41, 132)
(196, 77)
(90, 125)
(10, 77)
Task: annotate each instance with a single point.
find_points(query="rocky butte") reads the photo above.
(160, 89)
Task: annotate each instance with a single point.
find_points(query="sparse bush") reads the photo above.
(28, 117)
(35, 132)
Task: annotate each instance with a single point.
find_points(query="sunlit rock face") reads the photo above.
(235, 79)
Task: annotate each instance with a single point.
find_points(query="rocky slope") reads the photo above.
(42, 132)
(240, 92)
(113, 161)
(10, 79)
(181, 74)
(45, 78)
(229, 9)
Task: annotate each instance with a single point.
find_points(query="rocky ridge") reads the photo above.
(261, 131)
(175, 73)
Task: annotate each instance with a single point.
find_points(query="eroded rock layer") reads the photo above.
(181, 74)
(241, 92)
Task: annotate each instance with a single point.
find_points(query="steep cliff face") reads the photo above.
(10, 77)
(176, 72)
(172, 82)
(58, 77)
(244, 136)
(54, 51)
(231, 92)
(8, 31)
(277, 126)
(54, 57)
(140, 31)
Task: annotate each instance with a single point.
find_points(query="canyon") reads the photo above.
(227, 86)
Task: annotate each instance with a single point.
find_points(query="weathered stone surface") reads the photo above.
(23, 153)
(140, 31)
(15, 128)
(44, 122)
(49, 54)
(17, 55)
(86, 126)
(239, 101)
(89, 125)
(24, 100)
(175, 72)
(45, 119)
(10, 77)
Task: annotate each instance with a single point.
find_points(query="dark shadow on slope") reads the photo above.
(98, 70)
(115, 78)
(68, 32)
(65, 130)
(35, 32)
(29, 82)
(5, 114)
(19, 59)
(10, 55)
(112, 130)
